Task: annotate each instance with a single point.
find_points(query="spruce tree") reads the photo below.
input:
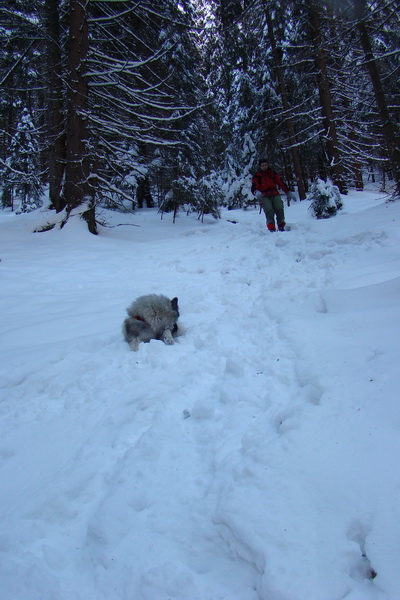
(20, 175)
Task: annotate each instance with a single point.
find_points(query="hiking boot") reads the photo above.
(271, 227)
(281, 226)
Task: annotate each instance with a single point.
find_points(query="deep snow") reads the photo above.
(256, 459)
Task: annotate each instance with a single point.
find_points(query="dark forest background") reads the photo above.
(171, 103)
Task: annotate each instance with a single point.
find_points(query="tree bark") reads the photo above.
(286, 107)
(390, 135)
(77, 188)
(331, 138)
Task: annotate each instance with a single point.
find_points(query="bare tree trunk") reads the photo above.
(331, 139)
(77, 189)
(55, 117)
(388, 126)
(288, 120)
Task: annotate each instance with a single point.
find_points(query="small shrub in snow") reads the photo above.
(325, 199)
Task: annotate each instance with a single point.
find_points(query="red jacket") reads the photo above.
(267, 182)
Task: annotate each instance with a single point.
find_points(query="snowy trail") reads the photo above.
(201, 471)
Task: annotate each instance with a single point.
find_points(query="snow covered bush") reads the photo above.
(325, 199)
(208, 198)
(239, 161)
(234, 197)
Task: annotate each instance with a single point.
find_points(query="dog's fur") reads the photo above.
(151, 317)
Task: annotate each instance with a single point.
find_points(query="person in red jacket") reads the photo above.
(264, 186)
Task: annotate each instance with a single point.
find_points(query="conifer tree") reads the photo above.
(78, 191)
(288, 119)
(324, 87)
(20, 174)
(55, 118)
(390, 130)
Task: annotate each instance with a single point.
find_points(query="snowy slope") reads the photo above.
(256, 459)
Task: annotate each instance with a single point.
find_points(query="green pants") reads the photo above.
(273, 206)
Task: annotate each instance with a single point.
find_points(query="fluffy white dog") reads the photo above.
(151, 317)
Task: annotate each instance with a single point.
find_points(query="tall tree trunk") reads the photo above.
(55, 117)
(288, 120)
(389, 131)
(77, 189)
(331, 139)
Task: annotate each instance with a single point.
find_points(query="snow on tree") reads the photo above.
(20, 173)
(238, 172)
(325, 199)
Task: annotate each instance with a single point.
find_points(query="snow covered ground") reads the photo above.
(256, 459)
